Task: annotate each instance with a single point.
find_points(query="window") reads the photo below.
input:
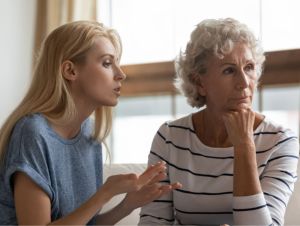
(155, 30)
(280, 24)
(136, 122)
(277, 108)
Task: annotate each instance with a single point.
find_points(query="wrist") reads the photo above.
(125, 207)
(245, 144)
(104, 194)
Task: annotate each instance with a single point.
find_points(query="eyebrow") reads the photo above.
(233, 64)
(107, 54)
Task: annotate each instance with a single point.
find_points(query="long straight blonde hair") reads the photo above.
(49, 93)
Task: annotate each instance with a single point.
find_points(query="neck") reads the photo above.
(71, 129)
(210, 129)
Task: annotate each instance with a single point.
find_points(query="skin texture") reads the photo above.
(94, 83)
(228, 120)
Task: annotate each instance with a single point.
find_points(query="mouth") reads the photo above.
(241, 100)
(118, 91)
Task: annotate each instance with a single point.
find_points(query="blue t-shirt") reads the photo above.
(68, 170)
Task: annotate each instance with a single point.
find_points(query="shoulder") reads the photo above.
(29, 136)
(27, 145)
(271, 134)
(177, 127)
(32, 125)
(275, 130)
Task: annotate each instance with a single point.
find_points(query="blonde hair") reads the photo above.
(211, 37)
(49, 93)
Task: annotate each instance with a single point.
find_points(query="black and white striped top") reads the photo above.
(206, 174)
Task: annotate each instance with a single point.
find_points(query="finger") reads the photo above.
(176, 185)
(170, 187)
(159, 177)
(151, 172)
(154, 169)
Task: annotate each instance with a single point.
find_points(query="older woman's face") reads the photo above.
(229, 83)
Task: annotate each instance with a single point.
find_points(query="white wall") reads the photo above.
(17, 24)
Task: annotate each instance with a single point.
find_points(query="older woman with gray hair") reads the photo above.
(235, 165)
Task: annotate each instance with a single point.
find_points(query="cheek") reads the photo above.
(92, 84)
(253, 85)
(219, 94)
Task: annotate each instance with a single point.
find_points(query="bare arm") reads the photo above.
(149, 191)
(33, 206)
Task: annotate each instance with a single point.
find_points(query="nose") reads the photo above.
(242, 80)
(119, 74)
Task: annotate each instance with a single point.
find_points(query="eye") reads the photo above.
(107, 63)
(228, 70)
(249, 67)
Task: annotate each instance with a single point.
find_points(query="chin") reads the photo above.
(109, 103)
(113, 104)
(238, 107)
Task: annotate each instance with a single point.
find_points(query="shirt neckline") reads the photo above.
(57, 136)
(220, 150)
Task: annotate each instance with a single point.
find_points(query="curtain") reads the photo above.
(53, 13)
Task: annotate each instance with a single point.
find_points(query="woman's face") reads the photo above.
(229, 83)
(99, 79)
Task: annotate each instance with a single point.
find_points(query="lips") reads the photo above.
(118, 90)
(242, 98)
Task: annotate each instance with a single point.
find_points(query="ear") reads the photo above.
(201, 87)
(68, 70)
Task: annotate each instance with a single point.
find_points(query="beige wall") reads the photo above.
(16, 44)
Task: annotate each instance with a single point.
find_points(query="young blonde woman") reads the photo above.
(51, 153)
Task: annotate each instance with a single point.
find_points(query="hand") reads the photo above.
(124, 183)
(149, 191)
(239, 125)
(147, 194)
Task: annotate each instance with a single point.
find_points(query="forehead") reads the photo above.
(240, 54)
(103, 46)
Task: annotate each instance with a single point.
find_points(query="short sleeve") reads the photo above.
(26, 154)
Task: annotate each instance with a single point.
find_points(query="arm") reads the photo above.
(29, 198)
(239, 126)
(254, 201)
(33, 206)
(147, 193)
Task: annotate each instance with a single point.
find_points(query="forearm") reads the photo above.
(83, 214)
(246, 178)
(114, 215)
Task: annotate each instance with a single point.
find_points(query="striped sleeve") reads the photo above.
(160, 211)
(277, 182)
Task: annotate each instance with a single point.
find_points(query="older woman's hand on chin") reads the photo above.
(239, 126)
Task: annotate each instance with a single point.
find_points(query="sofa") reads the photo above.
(292, 216)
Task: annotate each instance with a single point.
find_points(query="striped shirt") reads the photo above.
(206, 173)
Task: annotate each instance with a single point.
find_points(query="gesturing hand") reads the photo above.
(124, 183)
(150, 191)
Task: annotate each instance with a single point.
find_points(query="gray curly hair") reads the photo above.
(211, 37)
